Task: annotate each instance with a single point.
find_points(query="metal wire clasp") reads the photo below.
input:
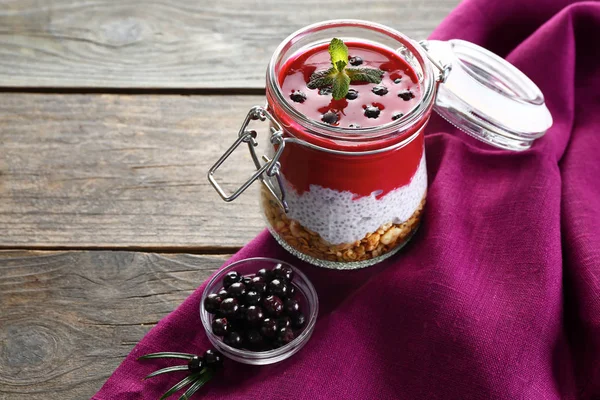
(443, 68)
(271, 166)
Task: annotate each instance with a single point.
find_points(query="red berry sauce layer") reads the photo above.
(366, 104)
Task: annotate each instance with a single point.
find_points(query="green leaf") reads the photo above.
(167, 370)
(184, 356)
(184, 382)
(338, 51)
(371, 75)
(340, 65)
(197, 385)
(321, 78)
(341, 85)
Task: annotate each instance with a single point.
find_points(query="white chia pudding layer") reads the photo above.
(344, 217)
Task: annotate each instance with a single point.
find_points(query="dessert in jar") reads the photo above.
(345, 180)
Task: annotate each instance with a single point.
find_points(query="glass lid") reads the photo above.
(487, 97)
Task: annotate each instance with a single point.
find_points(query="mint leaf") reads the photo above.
(371, 75)
(341, 85)
(320, 79)
(340, 65)
(338, 51)
(338, 76)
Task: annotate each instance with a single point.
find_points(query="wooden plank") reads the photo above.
(115, 171)
(69, 318)
(166, 44)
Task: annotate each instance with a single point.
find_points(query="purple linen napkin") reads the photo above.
(498, 294)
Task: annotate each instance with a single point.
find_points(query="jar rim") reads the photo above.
(410, 119)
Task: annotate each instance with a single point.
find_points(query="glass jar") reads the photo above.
(348, 198)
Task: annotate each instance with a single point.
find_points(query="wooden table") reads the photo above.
(110, 116)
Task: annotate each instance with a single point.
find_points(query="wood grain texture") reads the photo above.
(69, 318)
(115, 171)
(167, 44)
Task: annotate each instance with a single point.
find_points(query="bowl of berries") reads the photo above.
(259, 310)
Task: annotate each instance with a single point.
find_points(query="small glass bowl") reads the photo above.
(306, 294)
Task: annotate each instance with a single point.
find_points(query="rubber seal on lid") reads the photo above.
(487, 97)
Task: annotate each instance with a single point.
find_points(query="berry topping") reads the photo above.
(406, 95)
(379, 90)
(213, 358)
(372, 112)
(355, 61)
(352, 94)
(220, 326)
(283, 272)
(397, 116)
(330, 118)
(253, 298)
(196, 364)
(273, 305)
(234, 339)
(229, 307)
(254, 315)
(231, 278)
(268, 328)
(361, 74)
(298, 96)
(212, 303)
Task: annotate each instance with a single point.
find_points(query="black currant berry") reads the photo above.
(278, 287)
(220, 326)
(196, 364)
(231, 278)
(264, 273)
(298, 96)
(229, 307)
(236, 290)
(283, 272)
(234, 339)
(285, 335)
(212, 302)
(352, 94)
(291, 307)
(254, 315)
(213, 358)
(330, 118)
(380, 90)
(268, 328)
(273, 305)
(406, 95)
(372, 112)
(355, 61)
(298, 321)
(258, 284)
